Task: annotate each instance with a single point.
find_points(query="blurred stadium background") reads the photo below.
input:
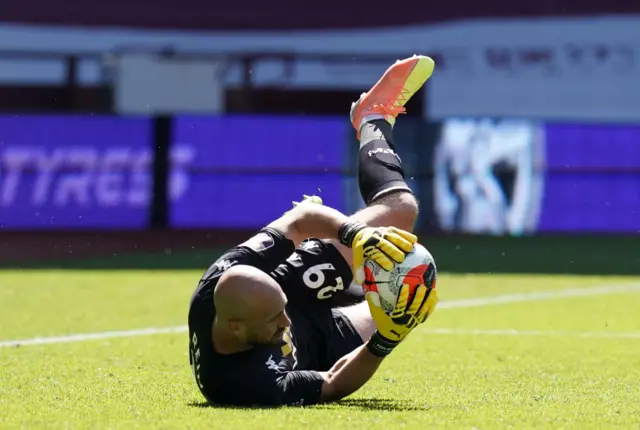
(147, 134)
(140, 126)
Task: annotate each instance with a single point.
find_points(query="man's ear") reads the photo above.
(236, 327)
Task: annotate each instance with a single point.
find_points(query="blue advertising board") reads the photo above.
(592, 179)
(59, 172)
(513, 176)
(245, 171)
(482, 176)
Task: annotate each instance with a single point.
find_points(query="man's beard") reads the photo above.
(276, 340)
(278, 337)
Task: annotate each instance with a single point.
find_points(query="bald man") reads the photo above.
(275, 321)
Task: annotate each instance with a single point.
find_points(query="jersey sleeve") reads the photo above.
(264, 251)
(265, 382)
(296, 387)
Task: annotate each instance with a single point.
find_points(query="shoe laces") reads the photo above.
(394, 108)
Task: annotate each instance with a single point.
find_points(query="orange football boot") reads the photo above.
(388, 96)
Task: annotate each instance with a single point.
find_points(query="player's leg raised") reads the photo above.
(381, 178)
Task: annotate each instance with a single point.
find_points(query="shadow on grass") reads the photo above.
(379, 404)
(364, 404)
(205, 405)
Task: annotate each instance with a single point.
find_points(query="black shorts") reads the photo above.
(317, 281)
(322, 338)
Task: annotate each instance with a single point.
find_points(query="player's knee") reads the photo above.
(405, 209)
(409, 205)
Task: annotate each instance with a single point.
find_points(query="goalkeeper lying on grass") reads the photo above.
(274, 322)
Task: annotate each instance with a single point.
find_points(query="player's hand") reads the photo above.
(384, 245)
(392, 328)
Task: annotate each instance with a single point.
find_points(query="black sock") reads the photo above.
(380, 169)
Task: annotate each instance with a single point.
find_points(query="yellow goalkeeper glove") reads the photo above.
(305, 200)
(384, 245)
(392, 328)
(308, 199)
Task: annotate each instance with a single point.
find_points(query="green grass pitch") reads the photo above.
(562, 362)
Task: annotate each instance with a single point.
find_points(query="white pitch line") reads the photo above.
(92, 336)
(539, 295)
(453, 304)
(511, 332)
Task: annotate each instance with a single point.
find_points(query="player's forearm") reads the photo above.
(349, 374)
(310, 220)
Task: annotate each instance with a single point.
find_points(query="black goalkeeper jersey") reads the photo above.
(271, 375)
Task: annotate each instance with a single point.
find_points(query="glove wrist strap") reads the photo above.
(348, 231)
(380, 346)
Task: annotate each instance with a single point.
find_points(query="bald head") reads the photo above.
(245, 293)
(250, 307)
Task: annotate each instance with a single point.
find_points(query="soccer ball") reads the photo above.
(417, 268)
